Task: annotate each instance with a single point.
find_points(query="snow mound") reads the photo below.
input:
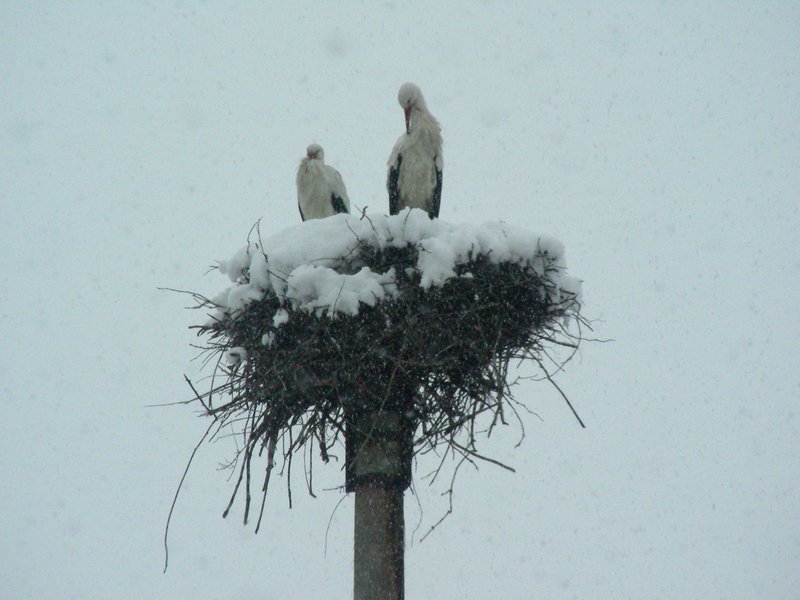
(309, 267)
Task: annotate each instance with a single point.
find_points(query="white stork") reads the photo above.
(415, 165)
(320, 189)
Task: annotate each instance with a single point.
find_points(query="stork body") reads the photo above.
(415, 165)
(320, 188)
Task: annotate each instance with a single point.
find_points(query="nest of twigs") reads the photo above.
(440, 356)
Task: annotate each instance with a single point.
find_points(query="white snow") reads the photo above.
(234, 266)
(302, 264)
(235, 356)
(280, 318)
(324, 290)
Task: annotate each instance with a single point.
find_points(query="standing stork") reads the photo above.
(415, 165)
(320, 189)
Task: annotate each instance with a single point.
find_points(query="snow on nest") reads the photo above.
(301, 264)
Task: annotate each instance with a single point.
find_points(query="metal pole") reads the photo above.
(379, 446)
(378, 544)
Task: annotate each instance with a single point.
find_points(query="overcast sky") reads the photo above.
(659, 141)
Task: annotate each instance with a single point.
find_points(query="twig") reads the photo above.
(177, 491)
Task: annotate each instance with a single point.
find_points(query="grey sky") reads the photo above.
(660, 143)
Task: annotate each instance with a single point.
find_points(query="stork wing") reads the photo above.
(339, 199)
(338, 205)
(392, 185)
(436, 201)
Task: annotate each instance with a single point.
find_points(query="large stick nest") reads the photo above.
(440, 355)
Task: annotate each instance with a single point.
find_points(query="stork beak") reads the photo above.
(408, 113)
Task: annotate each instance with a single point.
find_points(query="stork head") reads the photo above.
(315, 152)
(410, 97)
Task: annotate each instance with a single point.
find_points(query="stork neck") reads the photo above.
(421, 121)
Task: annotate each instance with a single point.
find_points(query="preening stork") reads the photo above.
(415, 165)
(320, 189)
